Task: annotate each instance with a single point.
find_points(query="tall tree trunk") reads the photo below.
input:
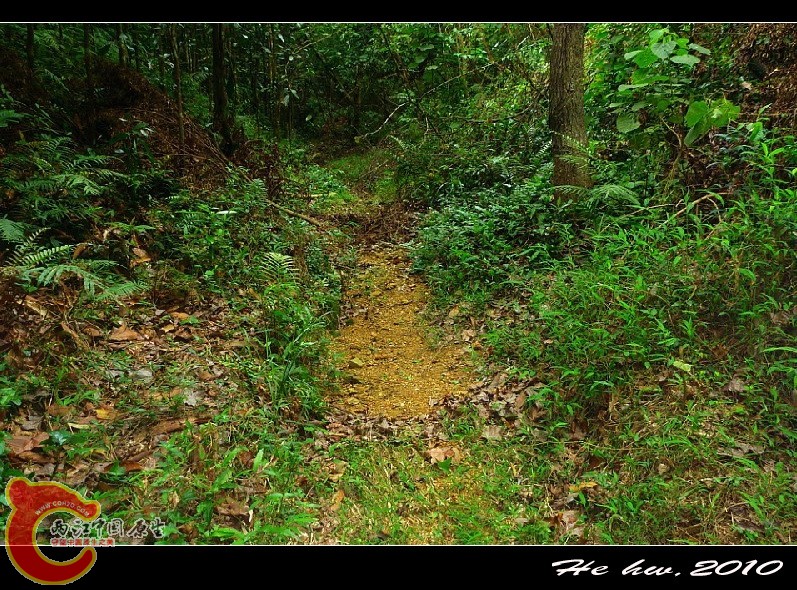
(178, 89)
(221, 121)
(30, 47)
(272, 77)
(87, 34)
(232, 76)
(121, 43)
(161, 49)
(566, 117)
(254, 74)
(91, 102)
(135, 46)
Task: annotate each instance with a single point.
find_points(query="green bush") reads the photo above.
(633, 289)
(493, 239)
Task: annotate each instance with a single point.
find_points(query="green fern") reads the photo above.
(600, 197)
(28, 254)
(33, 264)
(53, 180)
(121, 290)
(279, 268)
(12, 231)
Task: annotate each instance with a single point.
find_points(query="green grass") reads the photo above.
(662, 469)
(667, 338)
(216, 432)
(394, 494)
(356, 183)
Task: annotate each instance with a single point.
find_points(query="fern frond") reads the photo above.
(577, 192)
(12, 231)
(28, 255)
(279, 268)
(121, 290)
(615, 192)
(51, 275)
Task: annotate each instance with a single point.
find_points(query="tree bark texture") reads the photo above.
(566, 117)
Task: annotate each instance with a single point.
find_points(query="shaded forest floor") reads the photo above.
(182, 341)
(166, 411)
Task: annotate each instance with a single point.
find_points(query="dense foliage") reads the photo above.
(141, 181)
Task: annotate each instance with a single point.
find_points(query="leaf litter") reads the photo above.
(390, 366)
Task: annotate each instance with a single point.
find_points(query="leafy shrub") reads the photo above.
(636, 288)
(274, 270)
(493, 239)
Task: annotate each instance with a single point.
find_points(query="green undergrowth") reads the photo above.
(355, 183)
(209, 373)
(667, 333)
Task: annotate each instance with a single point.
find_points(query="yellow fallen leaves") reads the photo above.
(581, 486)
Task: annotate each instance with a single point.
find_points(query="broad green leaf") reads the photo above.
(685, 367)
(685, 59)
(645, 58)
(645, 77)
(627, 122)
(699, 48)
(757, 132)
(632, 54)
(663, 50)
(657, 34)
(697, 131)
(723, 112)
(697, 111)
(624, 87)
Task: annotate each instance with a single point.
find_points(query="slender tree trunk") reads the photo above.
(121, 43)
(178, 89)
(566, 117)
(161, 49)
(253, 78)
(30, 47)
(185, 43)
(272, 76)
(135, 46)
(221, 121)
(87, 34)
(91, 102)
(232, 76)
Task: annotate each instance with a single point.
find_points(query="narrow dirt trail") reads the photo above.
(392, 365)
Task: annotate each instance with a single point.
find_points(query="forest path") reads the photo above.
(392, 364)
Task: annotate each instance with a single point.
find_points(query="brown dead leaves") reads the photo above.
(444, 453)
(124, 334)
(17, 445)
(566, 524)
